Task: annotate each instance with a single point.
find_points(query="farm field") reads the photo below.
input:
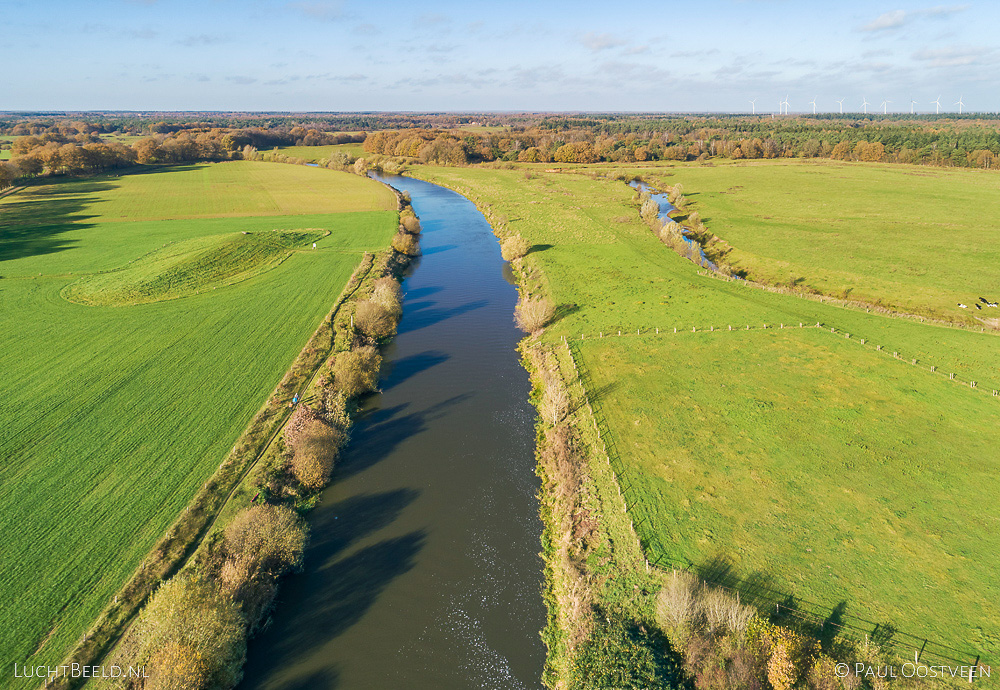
(315, 153)
(919, 238)
(826, 402)
(115, 415)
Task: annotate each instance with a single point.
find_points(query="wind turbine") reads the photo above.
(753, 104)
(841, 101)
(786, 104)
(885, 104)
(865, 104)
(912, 103)
(960, 105)
(937, 110)
(813, 103)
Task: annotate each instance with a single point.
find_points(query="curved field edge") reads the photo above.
(71, 380)
(190, 267)
(510, 213)
(200, 515)
(915, 239)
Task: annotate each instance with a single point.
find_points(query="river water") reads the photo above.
(664, 215)
(423, 570)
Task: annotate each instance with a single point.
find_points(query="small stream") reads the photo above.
(423, 570)
(664, 215)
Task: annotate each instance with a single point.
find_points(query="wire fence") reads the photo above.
(822, 621)
(993, 390)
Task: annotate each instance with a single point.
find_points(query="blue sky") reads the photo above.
(322, 55)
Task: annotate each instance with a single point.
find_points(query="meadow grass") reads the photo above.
(922, 239)
(315, 153)
(607, 273)
(112, 417)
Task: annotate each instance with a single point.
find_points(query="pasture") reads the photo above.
(918, 238)
(701, 417)
(112, 416)
(315, 153)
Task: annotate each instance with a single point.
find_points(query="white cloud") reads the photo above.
(323, 10)
(597, 42)
(897, 18)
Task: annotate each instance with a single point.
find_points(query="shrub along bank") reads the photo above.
(193, 631)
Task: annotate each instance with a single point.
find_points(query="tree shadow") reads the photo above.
(379, 433)
(427, 315)
(538, 248)
(329, 598)
(34, 226)
(400, 370)
(422, 292)
(564, 310)
(437, 250)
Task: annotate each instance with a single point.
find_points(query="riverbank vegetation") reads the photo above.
(256, 540)
(133, 414)
(829, 446)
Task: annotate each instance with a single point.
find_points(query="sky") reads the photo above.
(345, 55)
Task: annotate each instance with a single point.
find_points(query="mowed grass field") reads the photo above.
(915, 237)
(315, 153)
(755, 435)
(112, 416)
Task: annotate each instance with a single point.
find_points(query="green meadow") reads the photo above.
(918, 238)
(832, 470)
(113, 415)
(315, 153)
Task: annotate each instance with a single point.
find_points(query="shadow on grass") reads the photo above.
(538, 248)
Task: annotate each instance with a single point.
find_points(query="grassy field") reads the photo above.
(919, 238)
(112, 416)
(315, 153)
(731, 441)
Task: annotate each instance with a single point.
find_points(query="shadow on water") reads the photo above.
(384, 430)
(399, 370)
(428, 315)
(417, 293)
(438, 249)
(338, 593)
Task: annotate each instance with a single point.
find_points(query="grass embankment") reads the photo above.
(803, 414)
(117, 415)
(919, 239)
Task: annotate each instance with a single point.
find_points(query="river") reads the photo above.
(423, 570)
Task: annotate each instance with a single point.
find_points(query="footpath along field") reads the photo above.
(827, 468)
(112, 416)
(918, 238)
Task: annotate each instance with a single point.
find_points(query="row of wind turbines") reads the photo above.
(884, 105)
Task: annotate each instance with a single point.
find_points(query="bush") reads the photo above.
(315, 452)
(374, 320)
(335, 408)
(411, 224)
(356, 372)
(514, 247)
(189, 635)
(386, 293)
(532, 315)
(405, 243)
(625, 655)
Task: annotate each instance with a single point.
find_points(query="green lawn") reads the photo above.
(112, 416)
(315, 153)
(919, 238)
(805, 412)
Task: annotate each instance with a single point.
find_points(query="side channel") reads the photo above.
(424, 569)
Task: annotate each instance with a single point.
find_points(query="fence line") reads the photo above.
(848, 304)
(729, 328)
(785, 604)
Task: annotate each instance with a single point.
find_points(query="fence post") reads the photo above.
(862, 341)
(951, 377)
(972, 384)
(675, 329)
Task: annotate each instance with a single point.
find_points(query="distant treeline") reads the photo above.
(78, 148)
(966, 143)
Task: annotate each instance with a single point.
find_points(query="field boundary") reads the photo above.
(786, 605)
(116, 618)
(854, 305)
(656, 332)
